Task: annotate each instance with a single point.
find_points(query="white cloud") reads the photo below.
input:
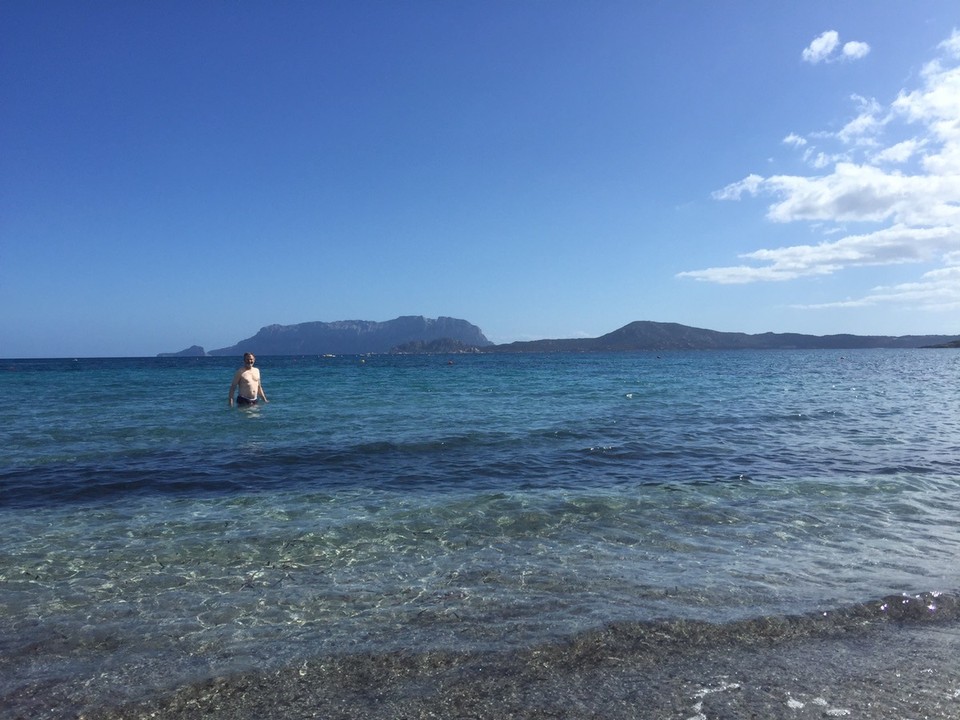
(899, 153)
(890, 246)
(951, 46)
(902, 217)
(856, 50)
(821, 47)
(859, 193)
(937, 107)
(894, 245)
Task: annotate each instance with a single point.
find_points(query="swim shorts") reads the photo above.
(241, 401)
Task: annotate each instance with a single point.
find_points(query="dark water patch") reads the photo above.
(80, 483)
(893, 657)
(481, 461)
(200, 468)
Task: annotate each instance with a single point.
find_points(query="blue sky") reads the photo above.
(178, 173)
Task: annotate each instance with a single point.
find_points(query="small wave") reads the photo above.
(924, 607)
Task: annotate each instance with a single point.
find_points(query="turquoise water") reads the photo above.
(151, 536)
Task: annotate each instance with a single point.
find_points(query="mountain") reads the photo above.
(192, 351)
(354, 337)
(648, 335)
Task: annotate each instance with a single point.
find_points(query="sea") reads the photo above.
(684, 535)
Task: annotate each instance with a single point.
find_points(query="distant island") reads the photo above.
(357, 337)
(192, 351)
(420, 335)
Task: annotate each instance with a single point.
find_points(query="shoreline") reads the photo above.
(878, 673)
(892, 657)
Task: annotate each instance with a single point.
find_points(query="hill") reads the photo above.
(648, 335)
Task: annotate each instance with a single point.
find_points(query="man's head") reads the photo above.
(249, 359)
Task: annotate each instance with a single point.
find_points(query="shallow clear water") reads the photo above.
(500, 501)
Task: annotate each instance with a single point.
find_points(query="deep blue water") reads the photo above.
(468, 502)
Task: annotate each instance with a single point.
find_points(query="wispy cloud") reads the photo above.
(826, 48)
(907, 189)
(862, 129)
(936, 290)
(899, 153)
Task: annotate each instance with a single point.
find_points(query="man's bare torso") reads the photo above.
(249, 382)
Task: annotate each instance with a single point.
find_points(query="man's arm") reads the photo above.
(233, 386)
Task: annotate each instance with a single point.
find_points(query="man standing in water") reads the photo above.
(247, 379)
